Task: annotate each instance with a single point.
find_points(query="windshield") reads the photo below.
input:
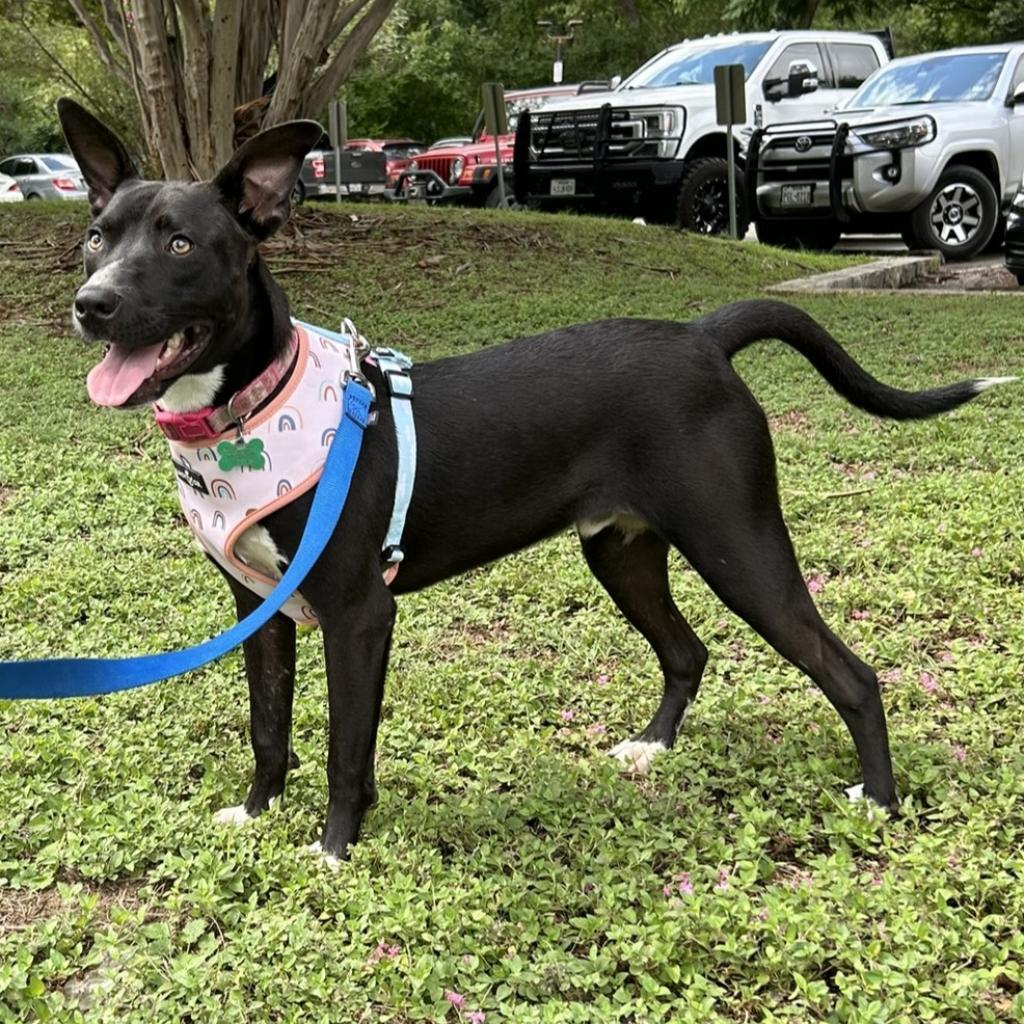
(693, 65)
(967, 76)
(404, 150)
(60, 163)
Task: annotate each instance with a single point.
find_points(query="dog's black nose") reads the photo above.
(96, 301)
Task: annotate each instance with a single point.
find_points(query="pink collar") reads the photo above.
(208, 423)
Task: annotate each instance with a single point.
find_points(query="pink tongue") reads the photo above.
(122, 372)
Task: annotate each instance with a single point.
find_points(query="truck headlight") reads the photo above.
(897, 136)
(458, 166)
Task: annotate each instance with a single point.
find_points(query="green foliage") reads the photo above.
(32, 82)
(508, 860)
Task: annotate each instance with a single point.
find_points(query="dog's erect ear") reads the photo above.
(101, 155)
(257, 181)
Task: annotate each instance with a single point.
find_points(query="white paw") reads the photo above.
(637, 755)
(328, 858)
(855, 793)
(237, 816)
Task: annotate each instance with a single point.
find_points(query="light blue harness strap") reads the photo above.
(88, 677)
(395, 367)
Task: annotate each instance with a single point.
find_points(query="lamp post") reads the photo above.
(559, 38)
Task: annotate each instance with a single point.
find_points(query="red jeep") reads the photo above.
(466, 173)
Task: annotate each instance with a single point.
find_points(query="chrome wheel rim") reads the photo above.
(956, 214)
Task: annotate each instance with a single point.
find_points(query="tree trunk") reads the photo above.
(194, 63)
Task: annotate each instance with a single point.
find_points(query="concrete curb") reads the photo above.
(890, 273)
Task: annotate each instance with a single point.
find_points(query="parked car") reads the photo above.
(931, 146)
(653, 145)
(46, 175)
(10, 192)
(466, 172)
(1014, 238)
(367, 165)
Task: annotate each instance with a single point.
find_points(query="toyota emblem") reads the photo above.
(803, 143)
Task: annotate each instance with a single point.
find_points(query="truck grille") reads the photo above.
(801, 156)
(571, 135)
(440, 165)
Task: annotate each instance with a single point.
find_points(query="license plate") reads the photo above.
(797, 195)
(563, 186)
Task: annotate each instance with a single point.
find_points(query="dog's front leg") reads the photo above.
(357, 641)
(270, 669)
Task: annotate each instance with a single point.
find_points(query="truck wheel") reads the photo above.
(493, 199)
(959, 216)
(704, 199)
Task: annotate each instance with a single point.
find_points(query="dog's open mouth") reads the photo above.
(130, 375)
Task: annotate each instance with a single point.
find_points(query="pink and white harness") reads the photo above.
(296, 429)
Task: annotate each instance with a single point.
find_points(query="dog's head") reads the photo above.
(169, 264)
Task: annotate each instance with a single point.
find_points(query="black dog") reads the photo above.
(638, 433)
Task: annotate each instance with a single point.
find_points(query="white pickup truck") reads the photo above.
(931, 146)
(653, 146)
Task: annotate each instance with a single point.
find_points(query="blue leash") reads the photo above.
(89, 677)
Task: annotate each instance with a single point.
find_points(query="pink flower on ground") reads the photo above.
(947, 657)
(960, 753)
(597, 729)
(816, 583)
(684, 883)
(476, 1017)
(603, 680)
(457, 999)
(723, 880)
(567, 714)
(384, 951)
(976, 552)
(928, 683)
(666, 891)
(764, 699)
(859, 614)
(891, 675)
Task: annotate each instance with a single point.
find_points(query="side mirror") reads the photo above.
(616, 81)
(802, 78)
(1017, 99)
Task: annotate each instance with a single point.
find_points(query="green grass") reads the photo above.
(508, 860)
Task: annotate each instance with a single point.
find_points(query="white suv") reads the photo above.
(931, 146)
(653, 145)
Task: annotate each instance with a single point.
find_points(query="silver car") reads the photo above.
(45, 175)
(931, 145)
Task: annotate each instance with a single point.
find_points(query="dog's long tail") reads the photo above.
(742, 323)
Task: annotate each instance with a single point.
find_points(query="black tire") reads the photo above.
(703, 205)
(493, 199)
(960, 215)
(1020, 278)
(299, 193)
(33, 195)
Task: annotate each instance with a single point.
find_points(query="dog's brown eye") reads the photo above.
(93, 240)
(180, 245)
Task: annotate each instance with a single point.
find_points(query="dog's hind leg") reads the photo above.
(633, 568)
(729, 525)
(270, 669)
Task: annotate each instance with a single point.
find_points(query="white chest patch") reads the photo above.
(257, 549)
(193, 391)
